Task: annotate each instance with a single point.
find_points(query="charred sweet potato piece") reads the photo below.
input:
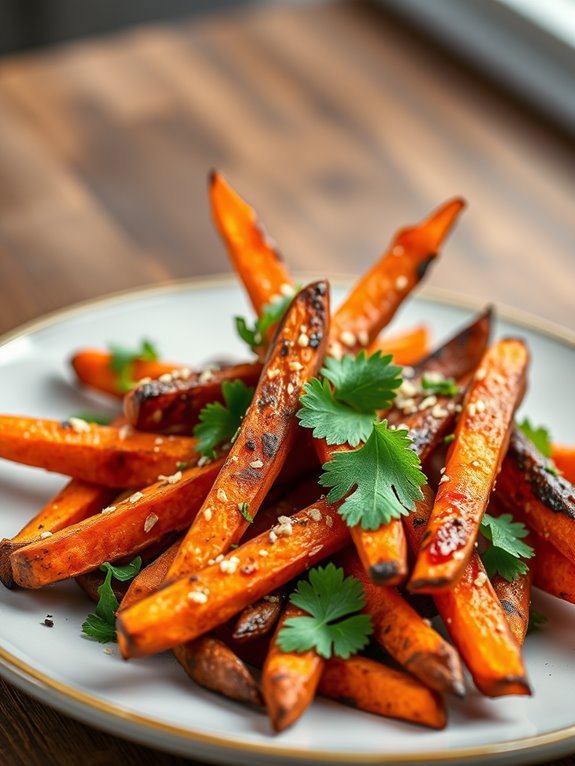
(123, 530)
(172, 403)
(194, 604)
(266, 435)
(475, 619)
(554, 573)
(212, 664)
(563, 456)
(473, 463)
(93, 367)
(96, 454)
(405, 635)
(545, 501)
(289, 679)
(259, 619)
(375, 688)
(376, 297)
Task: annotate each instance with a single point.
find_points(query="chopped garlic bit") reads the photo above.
(272, 374)
(165, 378)
(284, 528)
(348, 338)
(443, 479)
(429, 401)
(206, 376)
(314, 513)
(480, 580)
(480, 374)
(229, 566)
(197, 597)
(151, 521)
(173, 479)
(44, 535)
(295, 366)
(290, 388)
(109, 509)
(263, 552)
(329, 521)
(208, 514)
(257, 464)
(136, 496)
(221, 495)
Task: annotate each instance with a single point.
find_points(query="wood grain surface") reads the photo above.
(338, 123)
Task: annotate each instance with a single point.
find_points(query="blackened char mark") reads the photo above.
(555, 492)
(421, 269)
(270, 443)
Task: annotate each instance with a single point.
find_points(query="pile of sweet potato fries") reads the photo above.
(225, 537)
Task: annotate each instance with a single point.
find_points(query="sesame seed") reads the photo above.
(125, 432)
(427, 622)
(203, 460)
(197, 597)
(156, 449)
(229, 566)
(480, 404)
(44, 535)
(143, 381)
(480, 374)
(165, 378)
(329, 521)
(442, 470)
(206, 376)
(401, 282)
(272, 374)
(429, 401)
(480, 580)
(439, 412)
(348, 338)
(334, 349)
(475, 463)
(459, 555)
(136, 496)
(363, 337)
(286, 289)
(443, 479)
(407, 389)
(151, 521)
(263, 552)
(272, 536)
(173, 479)
(290, 388)
(107, 650)
(314, 513)
(219, 557)
(256, 464)
(221, 495)
(303, 328)
(78, 425)
(434, 376)
(233, 458)
(158, 440)
(303, 340)
(208, 514)
(295, 366)
(472, 409)
(109, 509)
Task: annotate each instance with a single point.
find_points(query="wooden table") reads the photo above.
(338, 123)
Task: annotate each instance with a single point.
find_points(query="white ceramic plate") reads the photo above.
(151, 700)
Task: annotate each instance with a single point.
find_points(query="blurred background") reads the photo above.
(339, 121)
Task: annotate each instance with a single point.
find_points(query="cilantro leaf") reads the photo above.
(507, 549)
(536, 621)
(330, 419)
(272, 313)
(122, 361)
(365, 383)
(344, 412)
(219, 422)
(386, 475)
(327, 597)
(444, 387)
(101, 624)
(539, 436)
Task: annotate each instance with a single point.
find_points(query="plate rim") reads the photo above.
(34, 682)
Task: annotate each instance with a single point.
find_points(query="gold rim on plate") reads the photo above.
(40, 685)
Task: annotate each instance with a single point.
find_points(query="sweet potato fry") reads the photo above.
(266, 435)
(173, 403)
(193, 605)
(74, 503)
(150, 577)
(96, 454)
(259, 619)
(375, 688)
(515, 597)
(554, 573)
(406, 347)
(406, 636)
(564, 458)
(475, 619)
(473, 463)
(253, 254)
(212, 664)
(93, 368)
(545, 502)
(289, 679)
(376, 297)
(135, 523)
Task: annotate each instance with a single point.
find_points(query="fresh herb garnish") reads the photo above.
(272, 314)
(443, 387)
(449, 438)
(327, 597)
(122, 361)
(101, 624)
(344, 411)
(539, 436)
(536, 621)
(243, 508)
(99, 418)
(507, 549)
(386, 475)
(219, 422)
